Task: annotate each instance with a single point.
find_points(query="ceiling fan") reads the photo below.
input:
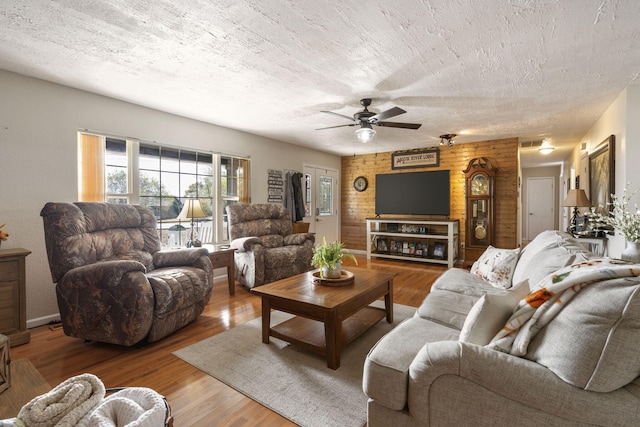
(365, 119)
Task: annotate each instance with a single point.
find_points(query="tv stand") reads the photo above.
(432, 241)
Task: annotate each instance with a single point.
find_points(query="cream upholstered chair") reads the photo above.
(113, 282)
(266, 247)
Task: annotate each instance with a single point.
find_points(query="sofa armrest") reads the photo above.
(105, 273)
(299, 239)
(245, 244)
(109, 301)
(510, 378)
(178, 257)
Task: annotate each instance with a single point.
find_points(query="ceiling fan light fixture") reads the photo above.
(546, 147)
(365, 134)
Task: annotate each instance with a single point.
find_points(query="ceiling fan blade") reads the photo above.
(338, 114)
(339, 126)
(395, 111)
(399, 125)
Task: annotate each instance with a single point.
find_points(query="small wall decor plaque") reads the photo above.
(275, 183)
(415, 158)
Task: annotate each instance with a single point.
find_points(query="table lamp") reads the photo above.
(576, 198)
(192, 210)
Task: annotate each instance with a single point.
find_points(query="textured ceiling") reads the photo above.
(489, 69)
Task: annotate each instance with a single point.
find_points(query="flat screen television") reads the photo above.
(413, 193)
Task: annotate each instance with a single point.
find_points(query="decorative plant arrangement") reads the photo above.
(328, 258)
(3, 234)
(621, 218)
(626, 222)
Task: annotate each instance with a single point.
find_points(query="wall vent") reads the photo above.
(530, 144)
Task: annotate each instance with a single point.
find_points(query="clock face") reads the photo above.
(479, 185)
(360, 183)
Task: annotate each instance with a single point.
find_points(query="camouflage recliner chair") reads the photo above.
(266, 247)
(114, 284)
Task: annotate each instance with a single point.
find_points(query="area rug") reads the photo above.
(287, 379)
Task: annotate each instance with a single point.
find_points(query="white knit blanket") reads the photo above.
(550, 296)
(80, 402)
(66, 404)
(129, 407)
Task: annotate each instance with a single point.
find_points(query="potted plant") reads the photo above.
(328, 258)
(3, 234)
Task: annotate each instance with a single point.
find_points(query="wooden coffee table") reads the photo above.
(327, 318)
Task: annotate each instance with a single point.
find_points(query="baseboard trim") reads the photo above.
(45, 320)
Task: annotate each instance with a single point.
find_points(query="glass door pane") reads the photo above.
(325, 206)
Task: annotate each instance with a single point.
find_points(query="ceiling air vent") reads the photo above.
(530, 144)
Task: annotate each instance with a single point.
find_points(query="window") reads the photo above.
(325, 204)
(234, 185)
(117, 172)
(163, 178)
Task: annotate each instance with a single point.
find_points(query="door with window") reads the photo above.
(322, 202)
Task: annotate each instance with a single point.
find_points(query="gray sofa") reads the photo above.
(582, 368)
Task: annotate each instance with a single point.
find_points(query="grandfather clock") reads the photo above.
(479, 196)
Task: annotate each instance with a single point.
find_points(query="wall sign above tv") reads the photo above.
(415, 158)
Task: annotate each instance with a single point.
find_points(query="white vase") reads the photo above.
(631, 252)
(332, 273)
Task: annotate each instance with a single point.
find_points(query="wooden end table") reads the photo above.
(327, 318)
(221, 256)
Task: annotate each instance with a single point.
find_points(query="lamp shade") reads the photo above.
(192, 209)
(365, 134)
(576, 198)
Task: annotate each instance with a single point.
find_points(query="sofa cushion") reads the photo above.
(286, 257)
(386, 368)
(451, 297)
(459, 280)
(272, 241)
(490, 313)
(593, 343)
(548, 252)
(496, 266)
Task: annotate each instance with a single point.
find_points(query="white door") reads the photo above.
(322, 202)
(540, 205)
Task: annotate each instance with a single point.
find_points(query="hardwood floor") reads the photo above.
(196, 399)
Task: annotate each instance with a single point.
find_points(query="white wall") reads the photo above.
(621, 119)
(38, 126)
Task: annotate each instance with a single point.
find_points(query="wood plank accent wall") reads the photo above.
(503, 153)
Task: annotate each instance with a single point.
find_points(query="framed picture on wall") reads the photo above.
(602, 175)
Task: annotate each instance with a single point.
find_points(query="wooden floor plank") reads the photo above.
(196, 399)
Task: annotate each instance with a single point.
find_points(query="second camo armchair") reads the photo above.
(266, 247)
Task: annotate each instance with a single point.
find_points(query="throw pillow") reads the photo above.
(496, 266)
(490, 313)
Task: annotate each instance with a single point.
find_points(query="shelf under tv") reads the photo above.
(439, 235)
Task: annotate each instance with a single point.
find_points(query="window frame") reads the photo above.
(133, 170)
